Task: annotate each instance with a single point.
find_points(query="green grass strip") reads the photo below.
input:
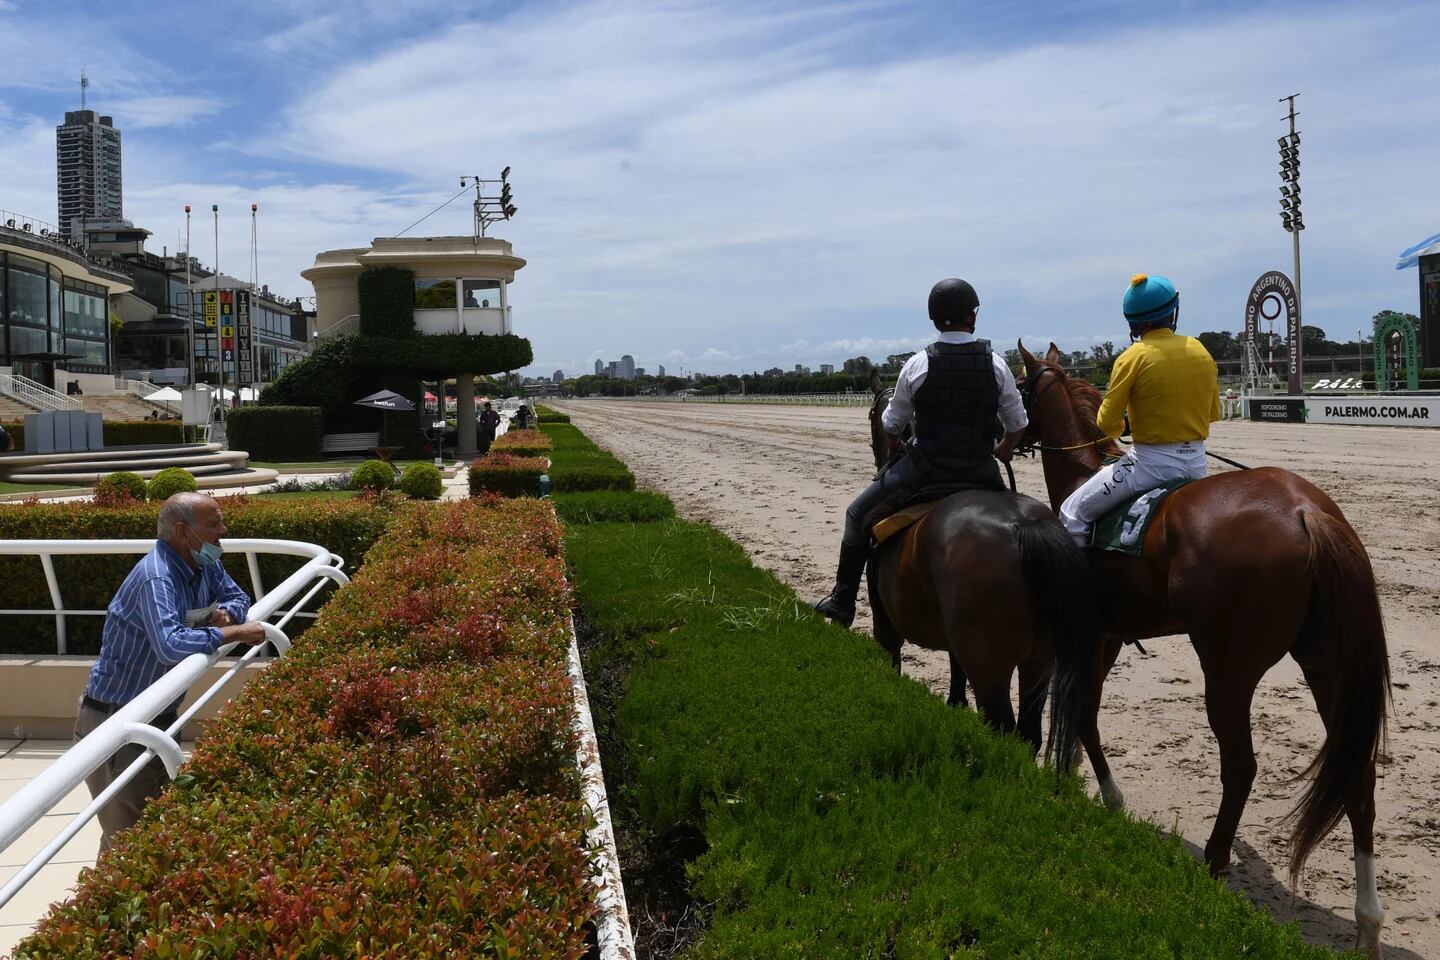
(846, 811)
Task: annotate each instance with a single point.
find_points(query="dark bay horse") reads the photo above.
(993, 579)
(1252, 565)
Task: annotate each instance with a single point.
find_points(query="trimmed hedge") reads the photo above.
(444, 355)
(387, 302)
(523, 443)
(118, 433)
(401, 784)
(605, 506)
(544, 414)
(170, 481)
(577, 464)
(506, 475)
(277, 433)
(422, 481)
(121, 487)
(836, 809)
(372, 475)
(346, 527)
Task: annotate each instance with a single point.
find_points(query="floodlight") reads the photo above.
(505, 174)
(510, 211)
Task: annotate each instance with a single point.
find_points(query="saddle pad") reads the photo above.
(1123, 529)
(901, 519)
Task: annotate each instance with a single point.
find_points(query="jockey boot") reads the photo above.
(839, 606)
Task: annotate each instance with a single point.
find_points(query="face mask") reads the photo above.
(207, 554)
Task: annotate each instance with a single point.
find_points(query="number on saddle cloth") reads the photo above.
(1123, 529)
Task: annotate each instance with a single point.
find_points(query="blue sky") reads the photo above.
(732, 185)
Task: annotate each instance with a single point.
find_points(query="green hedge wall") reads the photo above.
(387, 302)
(326, 378)
(506, 475)
(577, 464)
(277, 433)
(118, 433)
(346, 527)
(445, 355)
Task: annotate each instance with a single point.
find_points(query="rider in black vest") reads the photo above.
(959, 398)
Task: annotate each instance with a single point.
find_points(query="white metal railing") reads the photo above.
(858, 399)
(36, 395)
(138, 388)
(131, 723)
(350, 324)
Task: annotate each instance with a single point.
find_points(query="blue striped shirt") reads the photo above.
(145, 632)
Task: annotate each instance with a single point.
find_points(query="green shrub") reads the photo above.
(599, 473)
(605, 506)
(118, 433)
(422, 481)
(346, 527)
(445, 354)
(118, 488)
(277, 433)
(373, 475)
(387, 302)
(170, 481)
(507, 475)
(544, 414)
(523, 443)
(402, 784)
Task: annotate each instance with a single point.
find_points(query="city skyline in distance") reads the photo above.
(749, 189)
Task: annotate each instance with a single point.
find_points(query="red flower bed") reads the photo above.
(400, 785)
(523, 443)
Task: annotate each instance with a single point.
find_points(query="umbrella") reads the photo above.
(385, 401)
(165, 395)
(429, 397)
(249, 394)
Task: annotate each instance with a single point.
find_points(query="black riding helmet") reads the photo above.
(951, 303)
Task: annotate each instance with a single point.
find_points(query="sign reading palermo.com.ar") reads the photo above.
(1356, 409)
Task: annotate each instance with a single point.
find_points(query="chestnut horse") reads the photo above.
(993, 579)
(1252, 565)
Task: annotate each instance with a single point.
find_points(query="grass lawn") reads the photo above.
(7, 487)
(325, 466)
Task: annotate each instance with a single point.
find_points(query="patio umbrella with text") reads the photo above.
(386, 401)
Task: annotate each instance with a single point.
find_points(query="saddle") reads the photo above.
(1123, 529)
(891, 517)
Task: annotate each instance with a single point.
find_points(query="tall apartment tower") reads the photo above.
(627, 367)
(87, 171)
(599, 367)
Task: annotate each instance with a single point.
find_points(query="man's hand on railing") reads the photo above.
(252, 633)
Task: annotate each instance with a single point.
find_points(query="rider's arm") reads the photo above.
(1117, 398)
(1012, 411)
(901, 409)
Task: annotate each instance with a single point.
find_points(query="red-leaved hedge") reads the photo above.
(401, 784)
(507, 475)
(523, 443)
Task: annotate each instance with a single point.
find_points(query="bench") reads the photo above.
(349, 442)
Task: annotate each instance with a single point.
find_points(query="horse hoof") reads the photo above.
(1111, 796)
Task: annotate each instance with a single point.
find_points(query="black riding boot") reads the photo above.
(839, 606)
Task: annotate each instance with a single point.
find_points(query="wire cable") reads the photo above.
(431, 213)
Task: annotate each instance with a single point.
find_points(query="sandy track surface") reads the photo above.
(777, 479)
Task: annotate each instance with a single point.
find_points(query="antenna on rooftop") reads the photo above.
(84, 82)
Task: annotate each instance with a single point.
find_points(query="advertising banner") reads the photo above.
(1375, 411)
(1276, 409)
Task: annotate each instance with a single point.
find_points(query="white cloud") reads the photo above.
(140, 113)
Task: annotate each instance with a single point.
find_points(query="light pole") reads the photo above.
(189, 303)
(1291, 219)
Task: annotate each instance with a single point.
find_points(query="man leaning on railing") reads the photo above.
(177, 601)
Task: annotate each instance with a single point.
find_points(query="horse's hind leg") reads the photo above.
(1034, 688)
(957, 682)
(1228, 694)
(1110, 792)
(1369, 914)
(992, 696)
(886, 635)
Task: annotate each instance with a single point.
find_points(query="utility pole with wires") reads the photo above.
(491, 210)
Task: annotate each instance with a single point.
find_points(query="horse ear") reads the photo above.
(1031, 364)
(1052, 356)
(877, 386)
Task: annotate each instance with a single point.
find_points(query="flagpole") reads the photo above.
(189, 303)
(220, 316)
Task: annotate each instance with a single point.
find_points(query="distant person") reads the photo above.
(154, 415)
(470, 298)
(484, 303)
(177, 600)
(522, 418)
(4, 439)
(489, 421)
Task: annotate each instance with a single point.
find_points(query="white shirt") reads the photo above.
(902, 407)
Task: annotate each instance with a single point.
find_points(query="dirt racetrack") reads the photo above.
(777, 479)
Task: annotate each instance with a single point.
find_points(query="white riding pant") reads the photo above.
(1144, 467)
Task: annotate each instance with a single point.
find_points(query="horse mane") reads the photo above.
(1085, 395)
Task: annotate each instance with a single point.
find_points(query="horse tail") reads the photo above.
(1066, 600)
(1344, 624)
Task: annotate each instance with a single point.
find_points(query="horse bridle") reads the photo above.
(1028, 397)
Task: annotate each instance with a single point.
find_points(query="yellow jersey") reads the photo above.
(1170, 385)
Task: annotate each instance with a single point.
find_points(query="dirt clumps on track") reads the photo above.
(777, 480)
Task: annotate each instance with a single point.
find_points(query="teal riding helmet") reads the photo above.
(1151, 301)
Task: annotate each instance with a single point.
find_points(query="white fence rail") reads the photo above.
(131, 723)
(858, 399)
(36, 395)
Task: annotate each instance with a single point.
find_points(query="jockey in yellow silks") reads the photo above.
(1169, 386)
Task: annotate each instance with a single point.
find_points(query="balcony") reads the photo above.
(471, 320)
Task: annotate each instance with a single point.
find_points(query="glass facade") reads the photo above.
(46, 313)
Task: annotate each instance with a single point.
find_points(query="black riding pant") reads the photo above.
(901, 480)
